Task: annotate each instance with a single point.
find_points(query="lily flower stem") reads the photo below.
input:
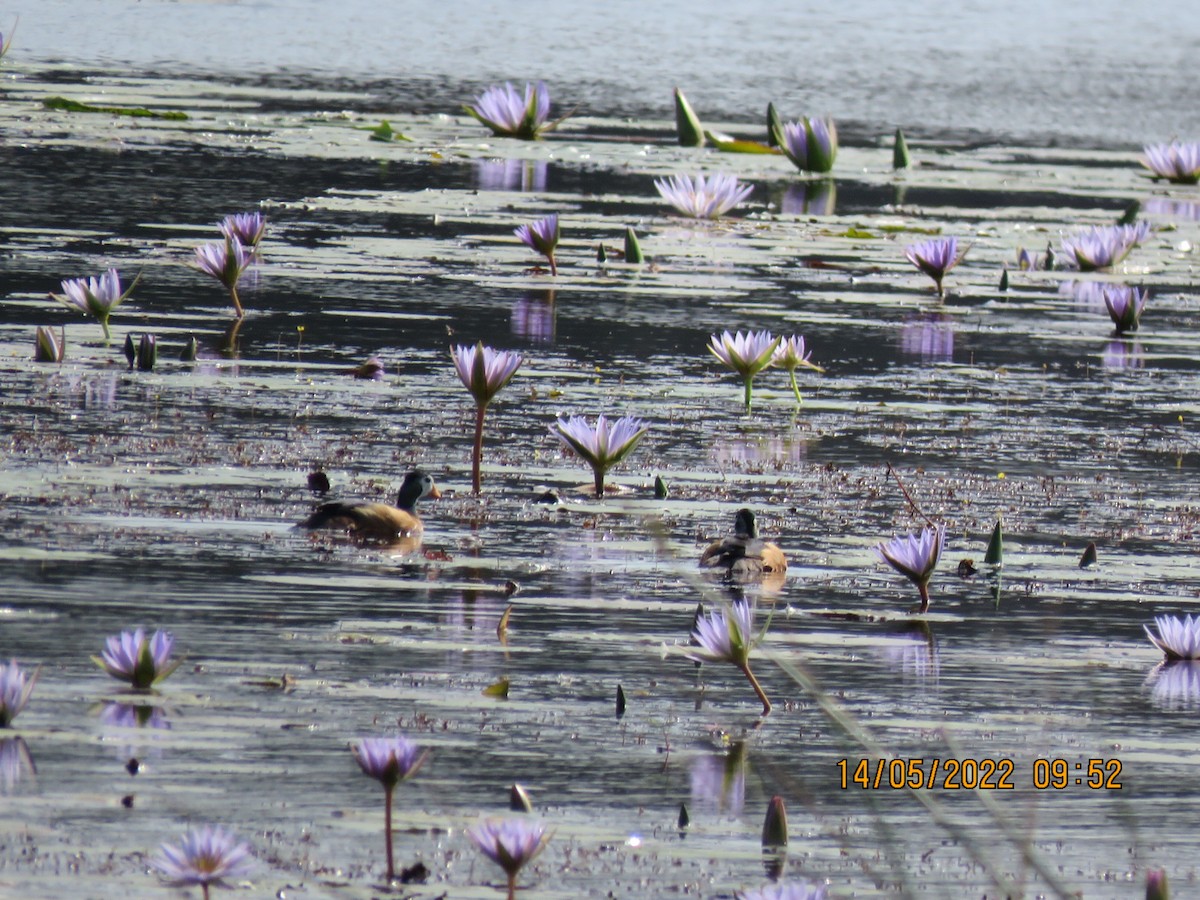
(796, 388)
(204, 890)
(104, 325)
(599, 481)
(237, 303)
(477, 456)
(749, 393)
(387, 828)
(512, 886)
(553, 267)
(923, 588)
(762, 695)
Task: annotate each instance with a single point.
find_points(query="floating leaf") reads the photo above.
(900, 157)
(499, 689)
(687, 126)
(633, 247)
(726, 144)
(860, 233)
(137, 112)
(995, 548)
(384, 132)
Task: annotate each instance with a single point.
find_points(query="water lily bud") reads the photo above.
(633, 249)
(1156, 885)
(518, 799)
(995, 549)
(147, 353)
(687, 125)
(900, 157)
(775, 827)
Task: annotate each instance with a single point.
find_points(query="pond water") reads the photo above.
(167, 499)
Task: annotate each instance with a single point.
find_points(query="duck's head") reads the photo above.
(744, 525)
(417, 485)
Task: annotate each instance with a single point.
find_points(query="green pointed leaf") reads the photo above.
(774, 127)
(1004, 279)
(498, 689)
(687, 126)
(1089, 556)
(995, 548)
(900, 157)
(775, 824)
(633, 247)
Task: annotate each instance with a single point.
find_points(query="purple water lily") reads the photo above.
(791, 354)
(511, 844)
(703, 197)
(484, 371)
(727, 635)
(811, 144)
(915, 556)
(1125, 305)
(206, 856)
(602, 445)
(96, 297)
(1103, 246)
(247, 228)
(747, 354)
(935, 258)
(389, 761)
(132, 657)
(542, 236)
(16, 687)
(508, 114)
(226, 261)
(1177, 638)
(1177, 162)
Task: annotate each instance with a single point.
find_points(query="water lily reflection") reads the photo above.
(133, 715)
(16, 763)
(913, 653)
(759, 453)
(524, 175)
(719, 780)
(928, 337)
(535, 318)
(1175, 684)
(810, 198)
(1088, 295)
(1188, 210)
(786, 890)
(1123, 355)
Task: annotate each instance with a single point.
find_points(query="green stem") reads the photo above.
(387, 828)
(237, 303)
(599, 481)
(104, 325)
(795, 387)
(477, 455)
(512, 886)
(553, 267)
(762, 695)
(923, 588)
(749, 392)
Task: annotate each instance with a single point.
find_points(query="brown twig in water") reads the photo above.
(908, 496)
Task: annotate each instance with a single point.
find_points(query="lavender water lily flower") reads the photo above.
(727, 635)
(703, 197)
(915, 556)
(16, 687)
(935, 258)
(389, 761)
(602, 445)
(542, 236)
(132, 657)
(96, 297)
(206, 856)
(1177, 162)
(1125, 305)
(1103, 246)
(811, 144)
(484, 371)
(247, 228)
(511, 844)
(747, 354)
(226, 261)
(791, 354)
(1177, 638)
(508, 114)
